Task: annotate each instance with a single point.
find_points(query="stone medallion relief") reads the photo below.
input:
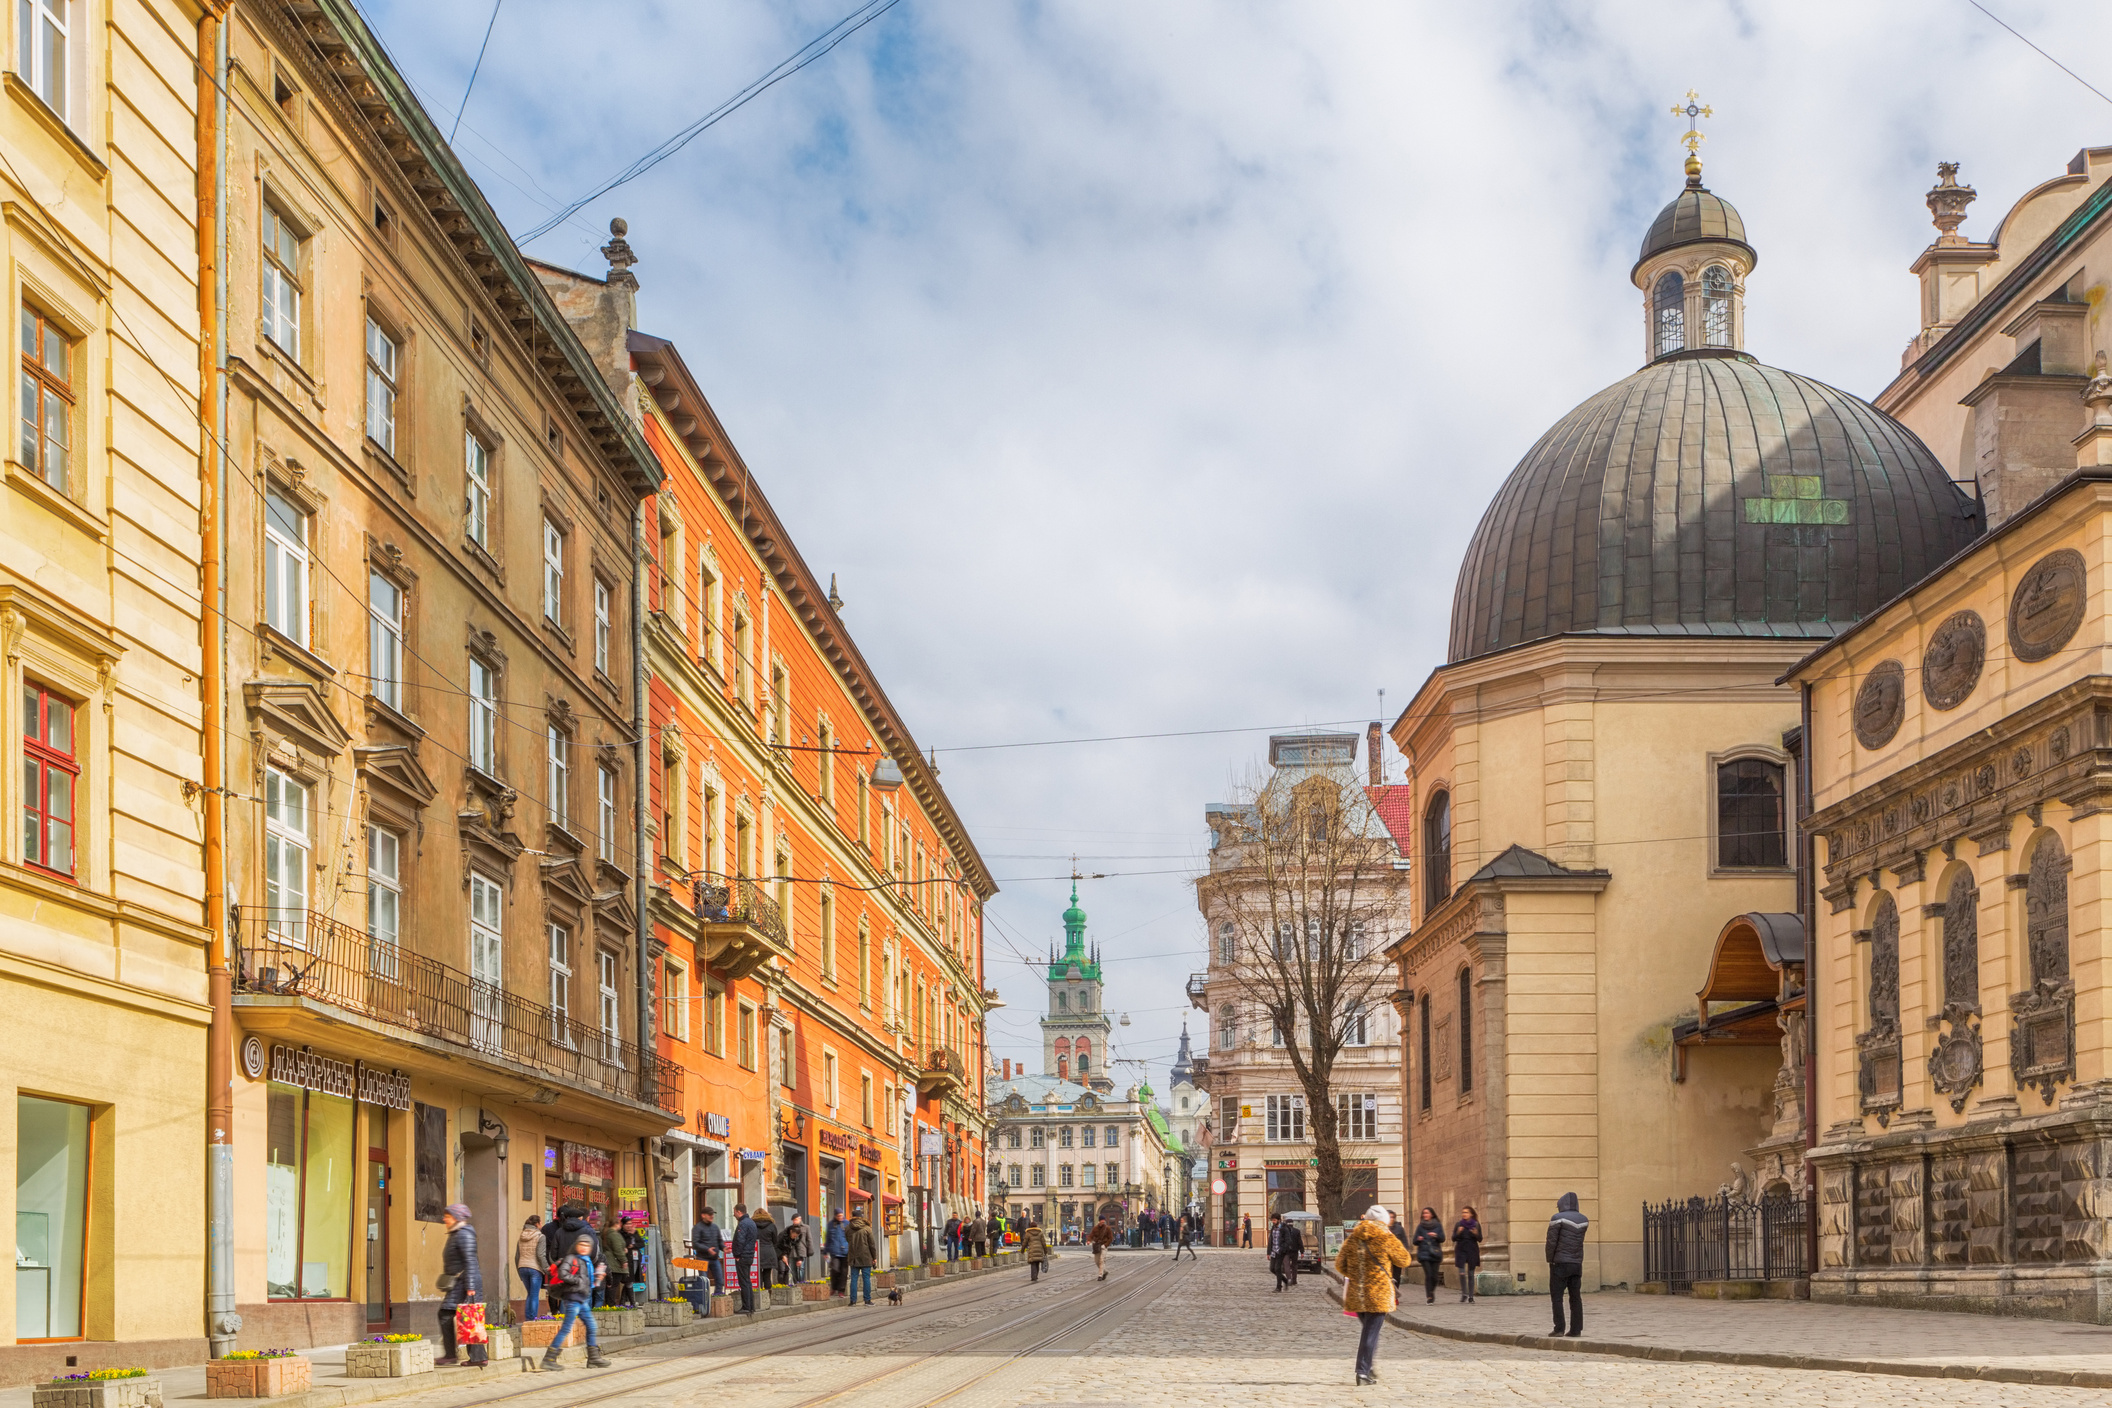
(1880, 704)
(1950, 667)
(2047, 606)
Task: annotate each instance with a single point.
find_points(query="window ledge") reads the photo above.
(291, 364)
(407, 480)
(40, 112)
(395, 718)
(481, 555)
(32, 486)
(1752, 872)
(560, 634)
(277, 643)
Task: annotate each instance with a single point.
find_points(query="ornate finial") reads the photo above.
(2098, 394)
(618, 252)
(835, 601)
(1947, 203)
(1693, 110)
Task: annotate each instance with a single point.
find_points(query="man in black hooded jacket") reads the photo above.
(1565, 1262)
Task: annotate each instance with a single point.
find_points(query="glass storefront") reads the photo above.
(51, 1217)
(311, 1181)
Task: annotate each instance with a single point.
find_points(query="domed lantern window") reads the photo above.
(1716, 306)
(1668, 307)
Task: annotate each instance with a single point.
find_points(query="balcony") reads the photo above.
(298, 953)
(944, 1072)
(1199, 991)
(740, 928)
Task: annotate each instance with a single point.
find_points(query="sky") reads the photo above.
(1145, 368)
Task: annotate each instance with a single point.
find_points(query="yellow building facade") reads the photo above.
(103, 954)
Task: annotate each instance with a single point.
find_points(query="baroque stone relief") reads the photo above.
(2042, 1042)
(1881, 704)
(1878, 1045)
(1950, 667)
(1955, 1065)
(2047, 606)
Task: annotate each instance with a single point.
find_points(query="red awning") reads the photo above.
(890, 1200)
(857, 1193)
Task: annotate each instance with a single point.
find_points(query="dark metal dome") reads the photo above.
(1695, 214)
(1707, 495)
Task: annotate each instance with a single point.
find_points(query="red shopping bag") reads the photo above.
(469, 1324)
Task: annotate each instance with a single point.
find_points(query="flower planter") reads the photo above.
(103, 1393)
(723, 1306)
(388, 1361)
(258, 1378)
(784, 1295)
(814, 1290)
(537, 1334)
(501, 1345)
(666, 1314)
(619, 1322)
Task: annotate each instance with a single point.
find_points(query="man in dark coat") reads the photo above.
(465, 1281)
(745, 1249)
(1289, 1243)
(862, 1250)
(1565, 1262)
(765, 1246)
(707, 1240)
(837, 1245)
(1187, 1243)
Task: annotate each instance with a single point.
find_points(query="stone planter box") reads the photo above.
(388, 1361)
(935, 1271)
(885, 1280)
(723, 1306)
(784, 1295)
(108, 1393)
(258, 1378)
(537, 1334)
(619, 1322)
(502, 1344)
(814, 1290)
(666, 1314)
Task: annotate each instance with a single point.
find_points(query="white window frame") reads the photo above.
(1284, 1119)
(1114, 1176)
(553, 573)
(385, 640)
(383, 356)
(483, 717)
(674, 999)
(487, 966)
(384, 900)
(605, 812)
(288, 846)
(476, 504)
(279, 246)
(558, 784)
(604, 605)
(611, 1004)
(286, 568)
(1037, 1176)
(558, 940)
(35, 19)
(1357, 1116)
(1088, 1175)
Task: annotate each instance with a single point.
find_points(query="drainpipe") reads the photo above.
(643, 881)
(222, 1323)
(1807, 893)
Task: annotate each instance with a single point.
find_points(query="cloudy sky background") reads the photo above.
(1146, 367)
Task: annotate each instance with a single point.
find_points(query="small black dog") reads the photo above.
(894, 1295)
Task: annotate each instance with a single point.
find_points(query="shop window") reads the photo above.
(51, 1217)
(429, 1150)
(310, 1182)
(51, 774)
(47, 399)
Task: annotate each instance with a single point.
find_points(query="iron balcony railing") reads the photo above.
(739, 902)
(1199, 991)
(300, 953)
(1724, 1238)
(944, 1061)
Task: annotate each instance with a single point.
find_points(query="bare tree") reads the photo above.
(1309, 891)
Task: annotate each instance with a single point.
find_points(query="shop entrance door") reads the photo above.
(377, 1239)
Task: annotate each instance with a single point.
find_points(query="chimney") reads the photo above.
(1373, 756)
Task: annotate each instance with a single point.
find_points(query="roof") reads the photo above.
(1395, 804)
(1695, 215)
(1518, 863)
(1707, 494)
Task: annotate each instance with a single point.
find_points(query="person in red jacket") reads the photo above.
(1100, 1239)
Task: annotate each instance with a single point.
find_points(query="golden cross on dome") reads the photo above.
(1693, 112)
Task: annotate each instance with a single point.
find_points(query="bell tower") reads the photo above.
(1694, 262)
(1075, 1028)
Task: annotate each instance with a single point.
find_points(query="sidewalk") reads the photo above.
(1790, 1334)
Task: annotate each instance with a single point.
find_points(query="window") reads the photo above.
(828, 936)
(828, 1079)
(1114, 1176)
(384, 899)
(780, 706)
(1086, 1137)
(1437, 852)
(674, 1000)
(1353, 949)
(708, 610)
(41, 30)
(605, 813)
(865, 810)
(1749, 815)
(1275, 1032)
(553, 573)
(1286, 946)
(1012, 1173)
(1085, 1175)
(476, 508)
(1227, 943)
(308, 1194)
(47, 399)
(1228, 1116)
(740, 656)
(285, 568)
(1063, 1002)
(714, 1019)
(603, 606)
(611, 1009)
(281, 258)
(787, 1061)
(1227, 1027)
(1065, 1138)
(865, 1105)
(1357, 1116)
(673, 780)
(745, 1037)
(559, 786)
(381, 387)
(1114, 1136)
(1037, 1176)
(385, 640)
(1012, 1138)
(1716, 306)
(1064, 1176)
(1356, 1024)
(865, 965)
(1668, 315)
(561, 983)
(1285, 1119)
(50, 771)
(1038, 1139)
(1466, 1030)
(487, 969)
(825, 778)
(483, 717)
(51, 1218)
(286, 842)
(1425, 1051)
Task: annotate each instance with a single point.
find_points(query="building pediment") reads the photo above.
(394, 767)
(295, 711)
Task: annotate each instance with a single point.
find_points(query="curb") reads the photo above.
(1757, 1359)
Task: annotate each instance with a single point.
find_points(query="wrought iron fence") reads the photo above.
(1724, 1239)
(299, 953)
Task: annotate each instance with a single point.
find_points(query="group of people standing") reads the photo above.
(760, 1254)
(973, 1236)
(1428, 1241)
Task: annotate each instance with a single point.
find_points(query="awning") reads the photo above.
(887, 1200)
(1747, 987)
(858, 1193)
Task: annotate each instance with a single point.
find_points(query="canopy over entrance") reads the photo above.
(1755, 974)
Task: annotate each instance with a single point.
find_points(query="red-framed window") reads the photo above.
(51, 773)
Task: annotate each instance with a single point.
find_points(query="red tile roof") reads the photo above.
(1395, 804)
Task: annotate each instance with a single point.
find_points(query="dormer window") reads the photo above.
(1716, 306)
(1668, 314)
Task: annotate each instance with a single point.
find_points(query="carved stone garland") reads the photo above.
(1955, 1061)
(1878, 1047)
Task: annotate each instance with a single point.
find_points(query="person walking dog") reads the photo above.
(1565, 1262)
(1430, 1251)
(1369, 1252)
(861, 1252)
(1034, 1243)
(1466, 1251)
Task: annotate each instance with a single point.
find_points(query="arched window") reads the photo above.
(1466, 1030)
(1716, 306)
(1063, 1002)
(1227, 1028)
(1083, 1051)
(1750, 829)
(1668, 314)
(1437, 852)
(1227, 944)
(1063, 1068)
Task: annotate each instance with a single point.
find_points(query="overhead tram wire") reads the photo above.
(475, 69)
(2037, 50)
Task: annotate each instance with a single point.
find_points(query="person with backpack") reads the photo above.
(861, 1252)
(1290, 1242)
(572, 1283)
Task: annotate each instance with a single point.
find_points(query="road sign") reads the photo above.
(1217, 1186)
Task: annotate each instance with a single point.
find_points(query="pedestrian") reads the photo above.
(972, 1236)
(792, 1252)
(1565, 1262)
(1466, 1251)
(1246, 1232)
(838, 1247)
(1275, 1247)
(953, 1238)
(461, 1282)
(1429, 1251)
(1187, 1237)
(1099, 1239)
(572, 1283)
(564, 1229)
(530, 1260)
(707, 1242)
(1035, 1244)
(618, 1277)
(765, 1247)
(860, 1251)
(747, 1257)
(1290, 1244)
(1367, 1291)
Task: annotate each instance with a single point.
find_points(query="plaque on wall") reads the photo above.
(1950, 667)
(2047, 605)
(1881, 704)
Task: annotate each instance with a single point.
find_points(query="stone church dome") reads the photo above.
(1695, 214)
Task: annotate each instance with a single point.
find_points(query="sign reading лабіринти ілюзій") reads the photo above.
(348, 1080)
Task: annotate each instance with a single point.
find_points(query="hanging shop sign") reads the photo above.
(754, 1156)
(347, 1080)
(587, 1164)
(631, 1195)
(717, 1126)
